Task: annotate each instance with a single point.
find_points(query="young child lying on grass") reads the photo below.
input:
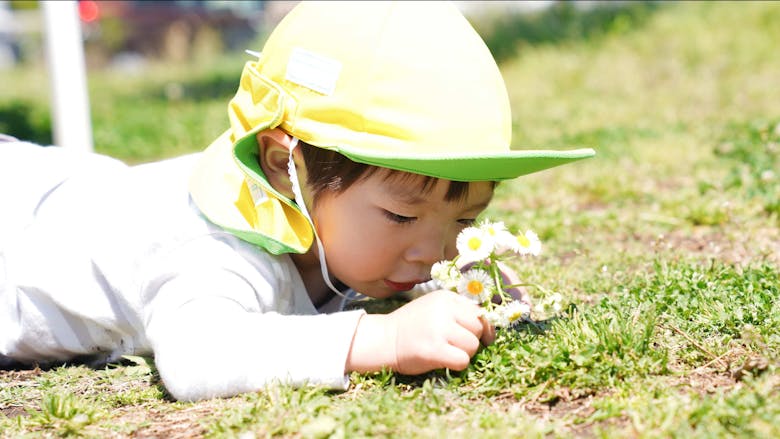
(363, 139)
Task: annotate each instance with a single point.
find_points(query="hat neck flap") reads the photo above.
(275, 222)
(229, 185)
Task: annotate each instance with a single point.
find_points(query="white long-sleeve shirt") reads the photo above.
(99, 259)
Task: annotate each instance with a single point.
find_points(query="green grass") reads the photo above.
(665, 247)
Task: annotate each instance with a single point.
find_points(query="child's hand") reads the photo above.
(438, 330)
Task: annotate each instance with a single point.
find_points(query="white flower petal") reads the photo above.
(516, 311)
(446, 273)
(496, 318)
(474, 244)
(476, 285)
(527, 243)
(492, 228)
(505, 242)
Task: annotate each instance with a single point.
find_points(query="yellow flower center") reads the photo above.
(475, 287)
(474, 242)
(514, 316)
(523, 241)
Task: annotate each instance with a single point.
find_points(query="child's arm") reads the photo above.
(438, 330)
(222, 323)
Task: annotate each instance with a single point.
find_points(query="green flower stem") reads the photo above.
(496, 272)
(541, 288)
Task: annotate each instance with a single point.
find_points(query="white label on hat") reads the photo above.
(313, 71)
(258, 194)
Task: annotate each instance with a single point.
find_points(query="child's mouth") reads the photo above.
(400, 286)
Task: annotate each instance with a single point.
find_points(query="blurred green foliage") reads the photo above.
(188, 92)
(23, 4)
(563, 21)
(754, 152)
(25, 121)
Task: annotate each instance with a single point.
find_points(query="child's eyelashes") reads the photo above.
(402, 219)
(399, 219)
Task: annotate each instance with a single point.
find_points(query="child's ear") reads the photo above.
(274, 152)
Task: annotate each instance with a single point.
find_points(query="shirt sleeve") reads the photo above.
(212, 337)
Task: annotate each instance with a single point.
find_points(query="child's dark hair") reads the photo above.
(330, 171)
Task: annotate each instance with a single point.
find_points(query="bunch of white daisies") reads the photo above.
(475, 272)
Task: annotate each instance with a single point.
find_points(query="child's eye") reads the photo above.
(396, 218)
(468, 221)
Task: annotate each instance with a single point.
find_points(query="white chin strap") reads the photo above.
(296, 187)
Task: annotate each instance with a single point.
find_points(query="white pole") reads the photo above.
(67, 75)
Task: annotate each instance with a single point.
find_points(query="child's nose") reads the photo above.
(427, 249)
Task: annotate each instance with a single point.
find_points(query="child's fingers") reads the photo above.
(468, 317)
(488, 332)
(473, 319)
(463, 339)
(467, 314)
(454, 358)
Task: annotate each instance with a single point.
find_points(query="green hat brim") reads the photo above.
(473, 167)
(470, 167)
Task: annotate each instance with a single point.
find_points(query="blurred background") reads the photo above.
(160, 73)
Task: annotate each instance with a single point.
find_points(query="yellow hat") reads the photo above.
(403, 85)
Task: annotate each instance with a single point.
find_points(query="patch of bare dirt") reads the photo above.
(16, 378)
(738, 247)
(12, 376)
(576, 410)
(13, 411)
(167, 422)
(562, 403)
(703, 383)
